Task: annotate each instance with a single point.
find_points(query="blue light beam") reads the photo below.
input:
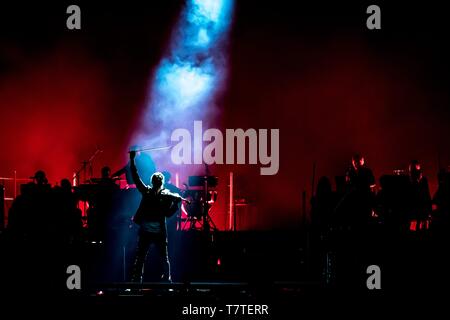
(192, 72)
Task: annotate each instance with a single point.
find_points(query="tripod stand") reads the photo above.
(204, 219)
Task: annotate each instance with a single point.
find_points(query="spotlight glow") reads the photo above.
(206, 10)
(183, 86)
(192, 72)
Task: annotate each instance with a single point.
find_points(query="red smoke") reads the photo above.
(328, 98)
(53, 114)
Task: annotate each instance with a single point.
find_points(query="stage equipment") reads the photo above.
(201, 201)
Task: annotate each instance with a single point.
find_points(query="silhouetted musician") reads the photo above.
(355, 208)
(157, 203)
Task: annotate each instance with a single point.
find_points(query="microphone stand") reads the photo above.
(85, 164)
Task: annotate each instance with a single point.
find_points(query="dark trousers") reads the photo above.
(146, 239)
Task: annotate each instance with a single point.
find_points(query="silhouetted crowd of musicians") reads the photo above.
(357, 224)
(43, 212)
(401, 202)
(88, 211)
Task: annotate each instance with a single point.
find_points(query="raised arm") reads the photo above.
(140, 185)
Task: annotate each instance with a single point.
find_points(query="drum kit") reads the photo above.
(202, 195)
